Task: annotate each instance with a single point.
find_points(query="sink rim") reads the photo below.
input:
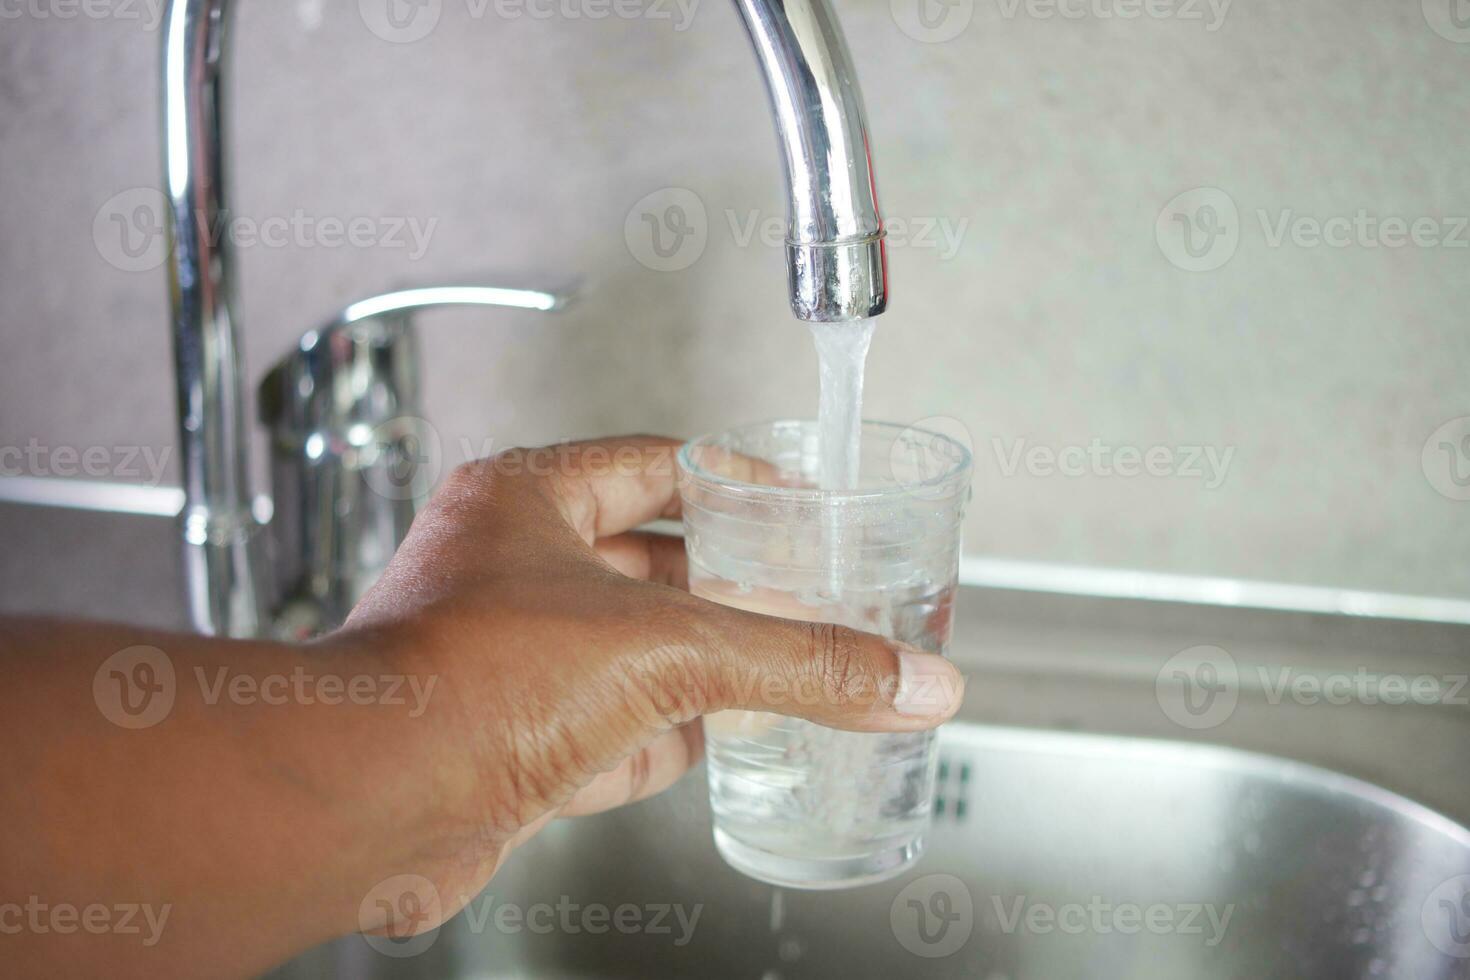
(1219, 758)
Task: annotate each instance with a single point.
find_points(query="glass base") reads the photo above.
(818, 874)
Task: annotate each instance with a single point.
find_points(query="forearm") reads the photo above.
(504, 670)
(236, 826)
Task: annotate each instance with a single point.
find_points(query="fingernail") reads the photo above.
(928, 685)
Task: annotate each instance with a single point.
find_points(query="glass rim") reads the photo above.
(957, 473)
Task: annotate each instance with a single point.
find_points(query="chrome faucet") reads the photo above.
(836, 265)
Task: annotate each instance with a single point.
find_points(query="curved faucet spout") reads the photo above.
(836, 263)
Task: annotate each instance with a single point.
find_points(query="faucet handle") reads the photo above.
(361, 366)
(425, 297)
(348, 444)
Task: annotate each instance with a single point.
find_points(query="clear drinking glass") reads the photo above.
(795, 803)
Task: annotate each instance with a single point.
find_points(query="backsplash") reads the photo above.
(1193, 281)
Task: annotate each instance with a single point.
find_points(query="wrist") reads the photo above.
(411, 792)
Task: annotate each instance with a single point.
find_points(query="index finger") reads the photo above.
(604, 487)
(608, 486)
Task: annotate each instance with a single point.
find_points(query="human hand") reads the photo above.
(573, 666)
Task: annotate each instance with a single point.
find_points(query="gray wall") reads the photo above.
(1049, 147)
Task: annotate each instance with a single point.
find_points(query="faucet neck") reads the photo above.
(223, 551)
(837, 264)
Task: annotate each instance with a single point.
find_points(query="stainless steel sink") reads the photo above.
(1054, 855)
(1082, 832)
(1072, 802)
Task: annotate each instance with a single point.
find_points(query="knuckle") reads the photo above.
(537, 763)
(509, 463)
(835, 657)
(475, 478)
(665, 687)
(475, 471)
(469, 471)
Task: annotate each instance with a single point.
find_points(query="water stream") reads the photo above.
(842, 353)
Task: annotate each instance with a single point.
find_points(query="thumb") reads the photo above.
(832, 675)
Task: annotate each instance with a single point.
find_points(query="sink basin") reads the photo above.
(1054, 855)
(1079, 791)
